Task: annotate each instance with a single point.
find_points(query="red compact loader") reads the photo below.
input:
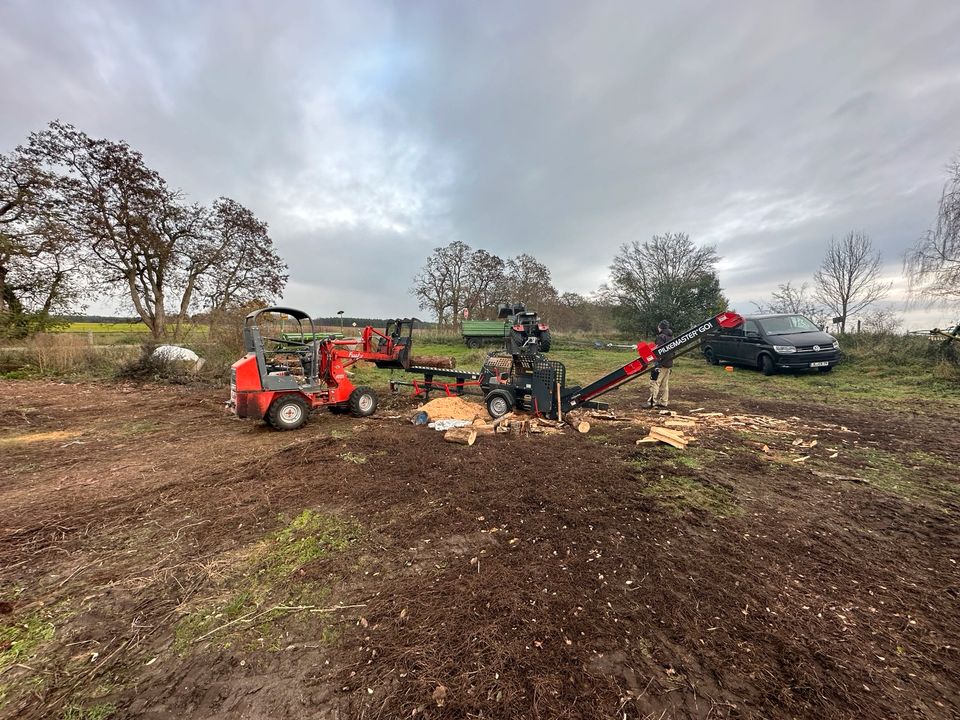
(281, 379)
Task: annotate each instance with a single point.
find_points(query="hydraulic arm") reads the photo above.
(649, 355)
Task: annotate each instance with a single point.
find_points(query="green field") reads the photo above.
(103, 327)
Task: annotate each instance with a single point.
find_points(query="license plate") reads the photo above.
(819, 364)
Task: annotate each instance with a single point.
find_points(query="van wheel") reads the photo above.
(766, 365)
(710, 357)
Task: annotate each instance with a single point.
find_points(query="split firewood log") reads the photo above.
(461, 436)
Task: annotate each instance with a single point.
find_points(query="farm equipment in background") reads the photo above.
(517, 330)
(532, 382)
(948, 336)
(281, 379)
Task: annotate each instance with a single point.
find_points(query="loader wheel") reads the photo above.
(499, 403)
(766, 365)
(473, 343)
(288, 412)
(363, 402)
(546, 340)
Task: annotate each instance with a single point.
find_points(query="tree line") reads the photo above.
(84, 217)
(666, 276)
(458, 281)
(671, 277)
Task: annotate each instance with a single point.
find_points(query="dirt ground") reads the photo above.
(156, 561)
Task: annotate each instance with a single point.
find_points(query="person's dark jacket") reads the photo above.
(663, 337)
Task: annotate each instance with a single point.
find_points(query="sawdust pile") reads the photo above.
(452, 408)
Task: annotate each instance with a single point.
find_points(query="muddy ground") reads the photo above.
(160, 559)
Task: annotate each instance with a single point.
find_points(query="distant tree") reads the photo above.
(443, 285)
(882, 321)
(528, 281)
(795, 299)
(933, 264)
(145, 241)
(483, 280)
(666, 277)
(848, 280)
(247, 268)
(40, 258)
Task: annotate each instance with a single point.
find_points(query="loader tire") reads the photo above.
(363, 402)
(288, 412)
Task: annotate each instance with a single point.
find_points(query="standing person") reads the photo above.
(660, 375)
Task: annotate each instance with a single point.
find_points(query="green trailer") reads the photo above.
(307, 337)
(484, 332)
(517, 331)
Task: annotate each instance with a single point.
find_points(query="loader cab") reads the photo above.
(396, 340)
(286, 360)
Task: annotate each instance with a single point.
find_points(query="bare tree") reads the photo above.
(442, 284)
(484, 281)
(882, 321)
(933, 265)
(848, 280)
(528, 281)
(143, 237)
(40, 259)
(246, 266)
(666, 277)
(794, 299)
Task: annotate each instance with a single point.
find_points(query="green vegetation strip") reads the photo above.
(265, 589)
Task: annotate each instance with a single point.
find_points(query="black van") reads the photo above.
(774, 342)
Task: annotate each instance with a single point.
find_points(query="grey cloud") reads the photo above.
(368, 133)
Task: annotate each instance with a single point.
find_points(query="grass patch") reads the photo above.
(19, 640)
(101, 711)
(269, 579)
(307, 537)
(679, 491)
(355, 458)
(681, 494)
(916, 475)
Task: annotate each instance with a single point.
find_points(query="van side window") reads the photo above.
(750, 326)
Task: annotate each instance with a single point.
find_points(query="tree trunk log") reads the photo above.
(437, 361)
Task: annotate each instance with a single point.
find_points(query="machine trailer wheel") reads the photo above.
(363, 402)
(288, 412)
(499, 403)
(473, 343)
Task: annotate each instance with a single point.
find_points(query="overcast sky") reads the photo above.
(367, 134)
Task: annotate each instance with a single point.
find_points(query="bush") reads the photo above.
(913, 358)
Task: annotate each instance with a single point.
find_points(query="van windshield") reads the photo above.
(787, 325)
